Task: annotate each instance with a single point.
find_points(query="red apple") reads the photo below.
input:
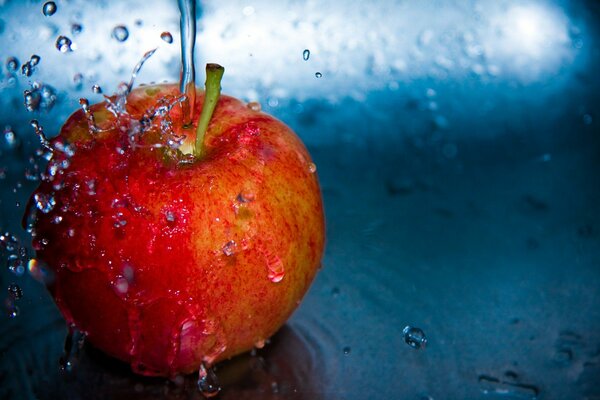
(167, 260)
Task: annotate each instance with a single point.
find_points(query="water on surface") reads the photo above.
(459, 168)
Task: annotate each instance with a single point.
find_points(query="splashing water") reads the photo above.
(39, 131)
(188, 42)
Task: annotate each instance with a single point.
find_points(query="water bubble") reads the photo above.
(49, 8)
(96, 89)
(312, 168)
(76, 28)
(167, 37)
(63, 44)
(44, 202)
(254, 106)
(208, 383)
(120, 33)
(306, 54)
(15, 292)
(414, 337)
(12, 63)
(318, 74)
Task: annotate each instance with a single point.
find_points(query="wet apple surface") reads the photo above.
(167, 260)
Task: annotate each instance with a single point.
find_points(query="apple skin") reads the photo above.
(167, 265)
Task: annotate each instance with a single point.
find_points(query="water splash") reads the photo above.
(188, 42)
(64, 44)
(39, 131)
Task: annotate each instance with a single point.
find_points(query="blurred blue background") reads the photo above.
(458, 149)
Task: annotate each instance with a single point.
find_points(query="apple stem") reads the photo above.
(214, 74)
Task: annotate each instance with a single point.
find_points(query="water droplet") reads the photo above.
(44, 202)
(63, 44)
(167, 37)
(49, 8)
(76, 28)
(34, 60)
(26, 69)
(260, 344)
(12, 63)
(96, 89)
(414, 337)
(312, 168)
(120, 33)
(275, 267)
(208, 383)
(10, 138)
(347, 350)
(229, 248)
(254, 106)
(318, 74)
(39, 97)
(15, 292)
(74, 342)
(306, 54)
(15, 264)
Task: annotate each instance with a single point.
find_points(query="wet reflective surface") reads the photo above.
(458, 151)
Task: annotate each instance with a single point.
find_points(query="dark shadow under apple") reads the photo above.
(282, 369)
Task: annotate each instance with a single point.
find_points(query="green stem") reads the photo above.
(214, 74)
